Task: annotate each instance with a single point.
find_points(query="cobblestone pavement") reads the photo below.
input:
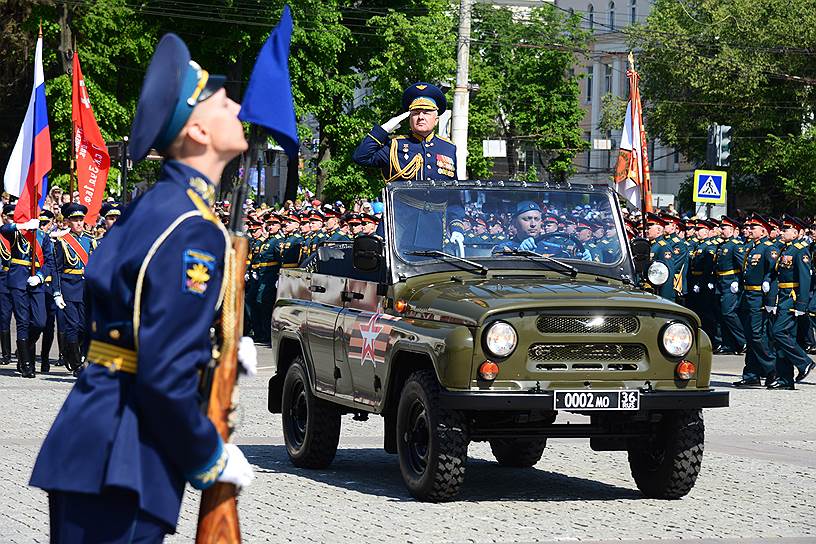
(758, 481)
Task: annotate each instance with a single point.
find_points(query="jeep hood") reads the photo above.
(473, 301)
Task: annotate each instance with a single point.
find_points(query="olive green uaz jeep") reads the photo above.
(487, 336)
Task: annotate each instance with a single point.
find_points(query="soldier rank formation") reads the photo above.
(750, 282)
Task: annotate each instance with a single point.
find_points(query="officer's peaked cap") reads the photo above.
(72, 209)
(424, 96)
(172, 87)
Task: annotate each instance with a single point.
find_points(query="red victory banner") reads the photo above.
(92, 159)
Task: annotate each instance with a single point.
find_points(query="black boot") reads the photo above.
(25, 359)
(45, 357)
(76, 358)
(61, 345)
(5, 347)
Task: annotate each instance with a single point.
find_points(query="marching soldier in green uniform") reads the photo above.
(793, 275)
(679, 251)
(758, 302)
(728, 269)
(265, 269)
(702, 279)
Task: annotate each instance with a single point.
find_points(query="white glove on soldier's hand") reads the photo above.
(529, 244)
(238, 470)
(735, 287)
(766, 286)
(248, 356)
(459, 239)
(31, 224)
(770, 309)
(696, 288)
(392, 124)
(59, 301)
(710, 286)
(798, 313)
(34, 281)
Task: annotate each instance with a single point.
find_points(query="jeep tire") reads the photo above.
(666, 465)
(432, 442)
(311, 426)
(518, 452)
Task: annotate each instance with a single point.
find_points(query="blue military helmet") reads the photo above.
(172, 87)
(424, 96)
(526, 206)
(72, 209)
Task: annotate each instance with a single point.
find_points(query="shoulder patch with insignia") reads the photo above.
(198, 266)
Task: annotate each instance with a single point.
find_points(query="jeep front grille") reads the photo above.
(575, 324)
(554, 357)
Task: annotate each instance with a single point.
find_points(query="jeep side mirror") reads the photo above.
(640, 248)
(368, 252)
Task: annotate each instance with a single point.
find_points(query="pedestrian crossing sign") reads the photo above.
(709, 186)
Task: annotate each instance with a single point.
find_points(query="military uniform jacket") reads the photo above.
(69, 265)
(680, 263)
(133, 420)
(291, 250)
(407, 157)
(661, 252)
(793, 275)
(759, 266)
(5, 262)
(20, 261)
(728, 263)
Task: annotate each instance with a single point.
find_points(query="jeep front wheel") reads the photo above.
(518, 452)
(311, 426)
(432, 442)
(666, 465)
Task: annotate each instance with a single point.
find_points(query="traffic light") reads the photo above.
(724, 147)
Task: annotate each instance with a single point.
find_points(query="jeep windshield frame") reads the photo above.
(401, 265)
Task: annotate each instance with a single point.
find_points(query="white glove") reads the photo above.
(34, 281)
(459, 239)
(770, 309)
(248, 356)
(696, 288)
(798, 313)
(735, 287)
(31, 224)
(710, 286)
(392, 124)
(766, 286)
(59, 301)
(529, 244)
(238, 470)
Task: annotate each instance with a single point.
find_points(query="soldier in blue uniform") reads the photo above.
(728, 269)
(53, 317)
(71, 254)
(793, 275)
(26, 283)
(132, 432)
(5, 294)
(421, 155)
(110, 211)
(758, 302)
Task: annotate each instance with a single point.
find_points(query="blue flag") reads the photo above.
(268, 98)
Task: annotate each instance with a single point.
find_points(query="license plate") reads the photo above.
(597, 400)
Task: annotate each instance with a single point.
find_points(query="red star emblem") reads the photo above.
(369, 331)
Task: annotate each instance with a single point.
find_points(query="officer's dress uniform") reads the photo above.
(680, 263)
(291, 250)
(728, 269)
(28, 302)
(72, 253)
(265, 269)
(5, 301)
(793, 275)
(661, 252)
(759, 269)
(702, 286)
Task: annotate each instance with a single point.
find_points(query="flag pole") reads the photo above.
(642, 187)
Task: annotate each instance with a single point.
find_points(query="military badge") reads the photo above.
(198, 268)
(677, 250)
(668, 255)
(787, 261)
(805, 259)
(774, 254)
(755, 258)
(725, 251)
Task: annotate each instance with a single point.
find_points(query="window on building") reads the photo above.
(591, 12)
(589, 78)
(633, 11)
(607, 78)
(611, 15)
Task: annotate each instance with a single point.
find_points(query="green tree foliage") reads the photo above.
(744, 63)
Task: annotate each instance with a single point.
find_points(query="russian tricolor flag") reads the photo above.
(30, 160)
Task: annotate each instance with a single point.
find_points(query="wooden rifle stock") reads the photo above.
(218, 513)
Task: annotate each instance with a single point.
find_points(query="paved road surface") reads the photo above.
(758, 482)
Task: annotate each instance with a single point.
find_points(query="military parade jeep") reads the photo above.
(488, 339)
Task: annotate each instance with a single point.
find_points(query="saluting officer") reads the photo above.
(728, 268)
(793, 274)
(29, 245)
(5, 294)
(71, 254)
(758, 302)
(132, 432)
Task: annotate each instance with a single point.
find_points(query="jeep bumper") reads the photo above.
(545, 400)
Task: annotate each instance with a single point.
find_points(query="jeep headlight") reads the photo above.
(500, 339)
(677, 339)
(658, 273)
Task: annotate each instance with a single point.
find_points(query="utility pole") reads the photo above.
(461, 93)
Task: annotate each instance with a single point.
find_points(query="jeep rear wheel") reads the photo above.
(666, 465)
(432, 442)
(517, 452)
(311, 426)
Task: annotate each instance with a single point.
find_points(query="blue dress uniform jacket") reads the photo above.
(407, 157)
(793, 276)
(661, 252)
(758, 269)
(133, 420)
(21, 251)
(69, 266)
